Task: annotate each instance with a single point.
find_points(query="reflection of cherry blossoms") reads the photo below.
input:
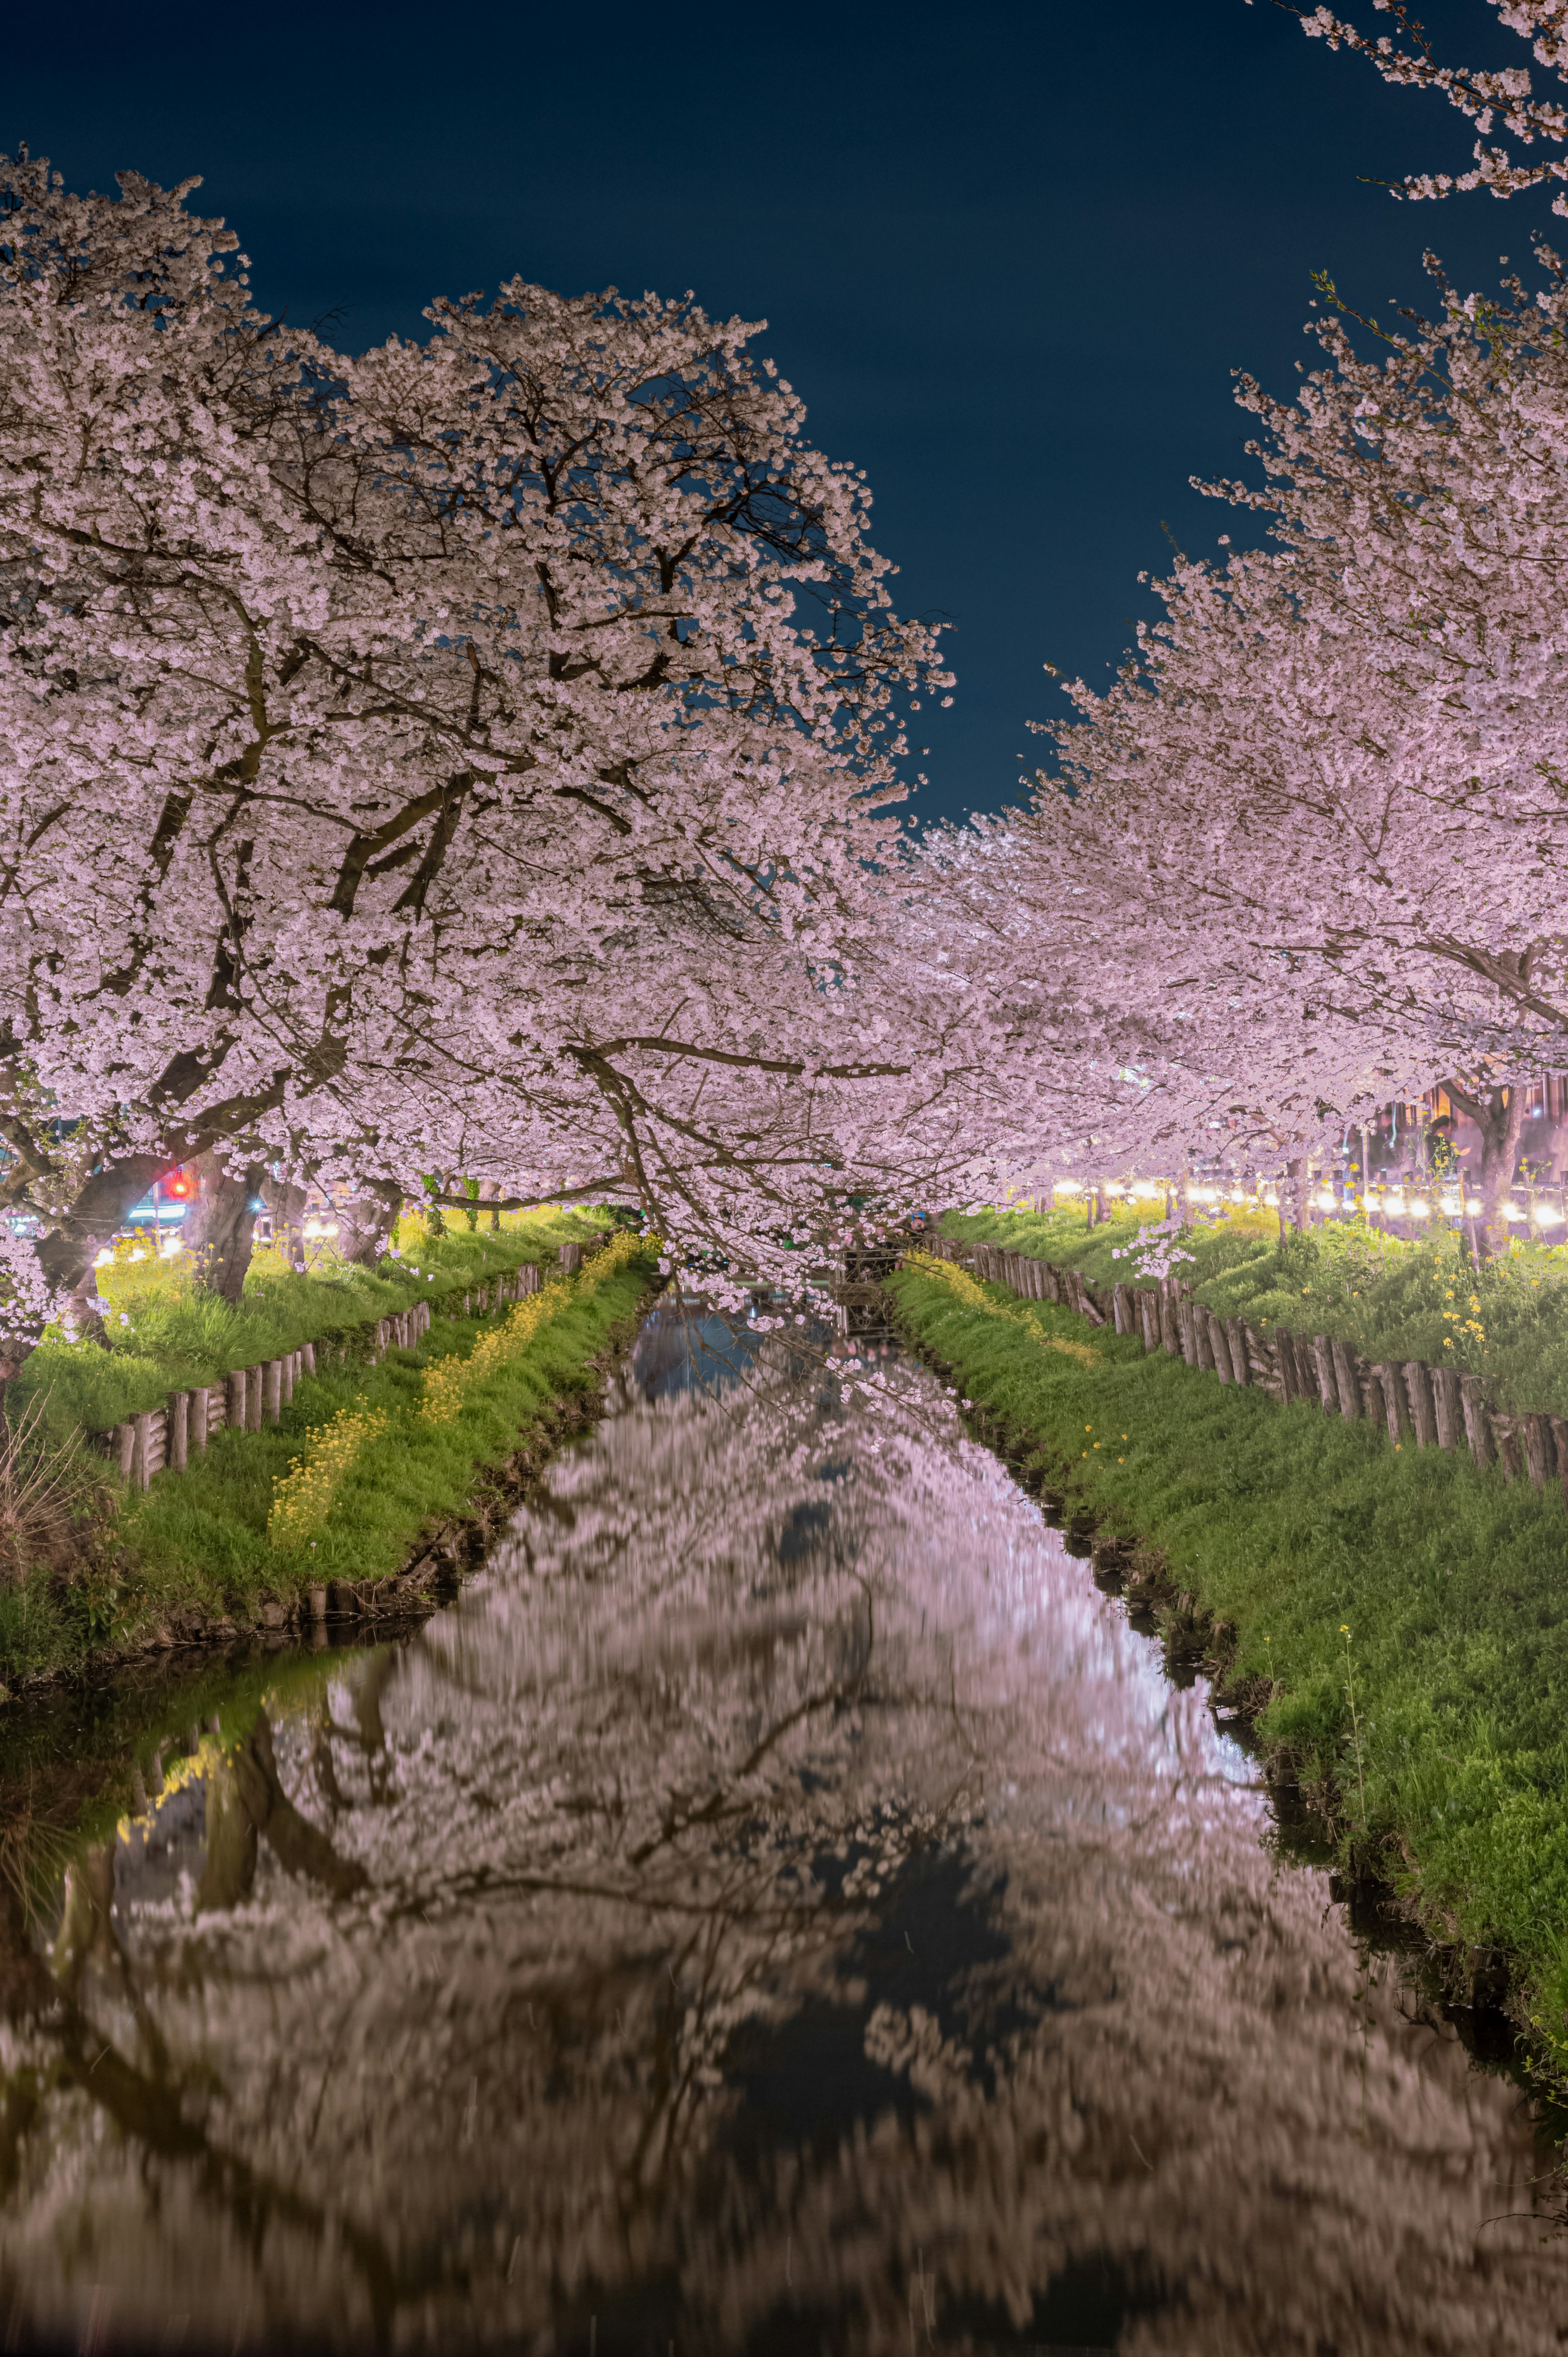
(781, 1903)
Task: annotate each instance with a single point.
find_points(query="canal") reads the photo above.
(782, 1905)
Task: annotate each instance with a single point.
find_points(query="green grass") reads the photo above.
(164, 1335)
(197, 1540)
(1388, 1299)
(1290, 1526)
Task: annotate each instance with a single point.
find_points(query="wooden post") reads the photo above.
(272, 1390)
(1218, 1346)
(1327, 1383)
(571, 1257)
(125, 1447)
(1240, 1357)
(179, 1429)
(1347, 1382)
(1559, 1450)
(141, 1463)
(1391, 1382)
(285, 1378)
(253, 1382)
(1202, 1345)
(1418, 1392)
(318, 1605)
(238, 1389)
(1121, 1309)
(1478, 1431)
(307, 1357)
(197, 1422)
(1505, 1436)
(1448, 1405)
(1540, 1455)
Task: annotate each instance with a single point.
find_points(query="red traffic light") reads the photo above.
(178, 1184)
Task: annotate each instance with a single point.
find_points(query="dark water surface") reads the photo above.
(782, 1906)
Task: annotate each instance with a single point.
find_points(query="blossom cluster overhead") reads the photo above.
(481, 756)
(470, 755)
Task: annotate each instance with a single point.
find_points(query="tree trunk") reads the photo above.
(219, 1225)
(67, 1251)
(1298, 1191)
(1499, 1117)
(365, 1224)
(286, 1202)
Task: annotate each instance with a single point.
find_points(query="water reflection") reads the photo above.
(782, 1906)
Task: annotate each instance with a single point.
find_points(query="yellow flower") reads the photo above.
(447, 1383)
(302, 1497)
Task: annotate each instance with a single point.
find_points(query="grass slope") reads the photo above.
(1290, 1527)
(164, 1335)
(1388, 1299)
(197, 1541)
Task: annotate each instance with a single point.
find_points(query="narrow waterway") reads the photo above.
(782, 1906)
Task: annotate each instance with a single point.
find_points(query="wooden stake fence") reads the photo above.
(1432, 1407)
(248, 1397)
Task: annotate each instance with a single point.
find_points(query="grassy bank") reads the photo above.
(367, 1455)
(163, 1334)
(1434, 1594)
(1388, 1298)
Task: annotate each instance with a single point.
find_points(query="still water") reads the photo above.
(780, 1907)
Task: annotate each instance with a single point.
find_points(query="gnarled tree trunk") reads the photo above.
(1498, 1115)
(67, 1251)
(364, 1225)
(219, 1225)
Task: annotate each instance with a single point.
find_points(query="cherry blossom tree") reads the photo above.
(471, 755)
(1492, 99)
(1302, 855)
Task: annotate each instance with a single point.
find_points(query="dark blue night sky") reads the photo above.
(1008, 254)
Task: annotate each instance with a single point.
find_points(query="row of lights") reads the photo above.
(1396, 1206)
